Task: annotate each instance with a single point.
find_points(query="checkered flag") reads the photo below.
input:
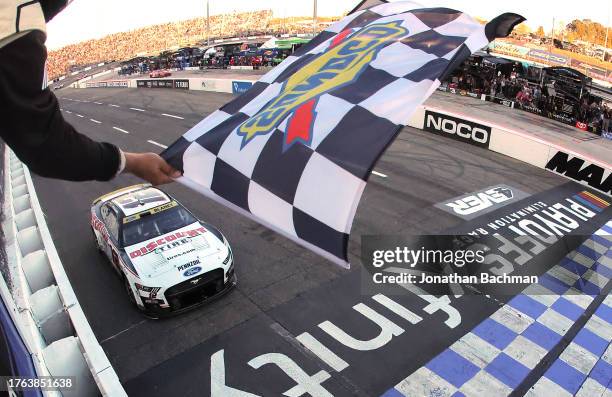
(295, 151)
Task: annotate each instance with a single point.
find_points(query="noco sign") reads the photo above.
(459, 129)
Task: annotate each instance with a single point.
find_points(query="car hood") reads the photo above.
(185, 248)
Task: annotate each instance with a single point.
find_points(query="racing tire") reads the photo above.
(128, 291)
(97, 243)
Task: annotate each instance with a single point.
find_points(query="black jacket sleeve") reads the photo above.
(33, 126)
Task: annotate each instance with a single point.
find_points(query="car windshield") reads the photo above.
(155, 225)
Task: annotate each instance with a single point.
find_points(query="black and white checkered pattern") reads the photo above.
(310, 193)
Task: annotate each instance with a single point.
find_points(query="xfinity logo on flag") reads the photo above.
(347, 56)
(461, 130)
(473, 204)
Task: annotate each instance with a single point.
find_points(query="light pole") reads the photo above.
(314, 17)
(207, 23)
(603, 56)
(552, 40)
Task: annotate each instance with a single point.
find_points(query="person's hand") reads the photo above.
(150, 167)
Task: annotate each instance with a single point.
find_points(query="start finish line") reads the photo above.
(312, 384)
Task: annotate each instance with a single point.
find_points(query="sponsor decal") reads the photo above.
(582, 126)
(117, 83)
(531, 109)
(169, 258)
(564, 118)
(582, 171)
(502, 101)
(169, 246)
(192, 271)
(528, 237)
(110, 83)
(481, 202)
(152, 211)
(182, 84)
(188, 265)
(507, 48)
(240, 87)
(167, 242)
(547, 56)
(458, 129)
(155, 83)
(347, 56)
(99, 226)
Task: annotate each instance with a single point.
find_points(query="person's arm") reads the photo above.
(33, 126)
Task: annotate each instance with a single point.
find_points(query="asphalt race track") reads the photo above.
(283, 290)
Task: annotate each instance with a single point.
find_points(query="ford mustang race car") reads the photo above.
(169, 261)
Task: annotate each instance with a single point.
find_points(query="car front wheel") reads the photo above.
(128, 290)
(96, 242)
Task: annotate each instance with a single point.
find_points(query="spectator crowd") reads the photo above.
(157, 38)
(536, 98)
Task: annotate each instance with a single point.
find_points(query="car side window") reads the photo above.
(110, 220)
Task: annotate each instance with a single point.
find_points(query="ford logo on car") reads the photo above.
(192, 271)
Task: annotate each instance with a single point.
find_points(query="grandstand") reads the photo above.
(156, 38)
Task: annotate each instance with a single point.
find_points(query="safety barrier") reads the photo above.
(501, 139)
(191, 83)
(43, 303)
(519, 145)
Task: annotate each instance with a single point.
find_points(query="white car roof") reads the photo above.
(141, 200)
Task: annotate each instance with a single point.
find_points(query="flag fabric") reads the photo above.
(294, 152)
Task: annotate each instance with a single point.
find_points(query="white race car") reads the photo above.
(168, 260)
